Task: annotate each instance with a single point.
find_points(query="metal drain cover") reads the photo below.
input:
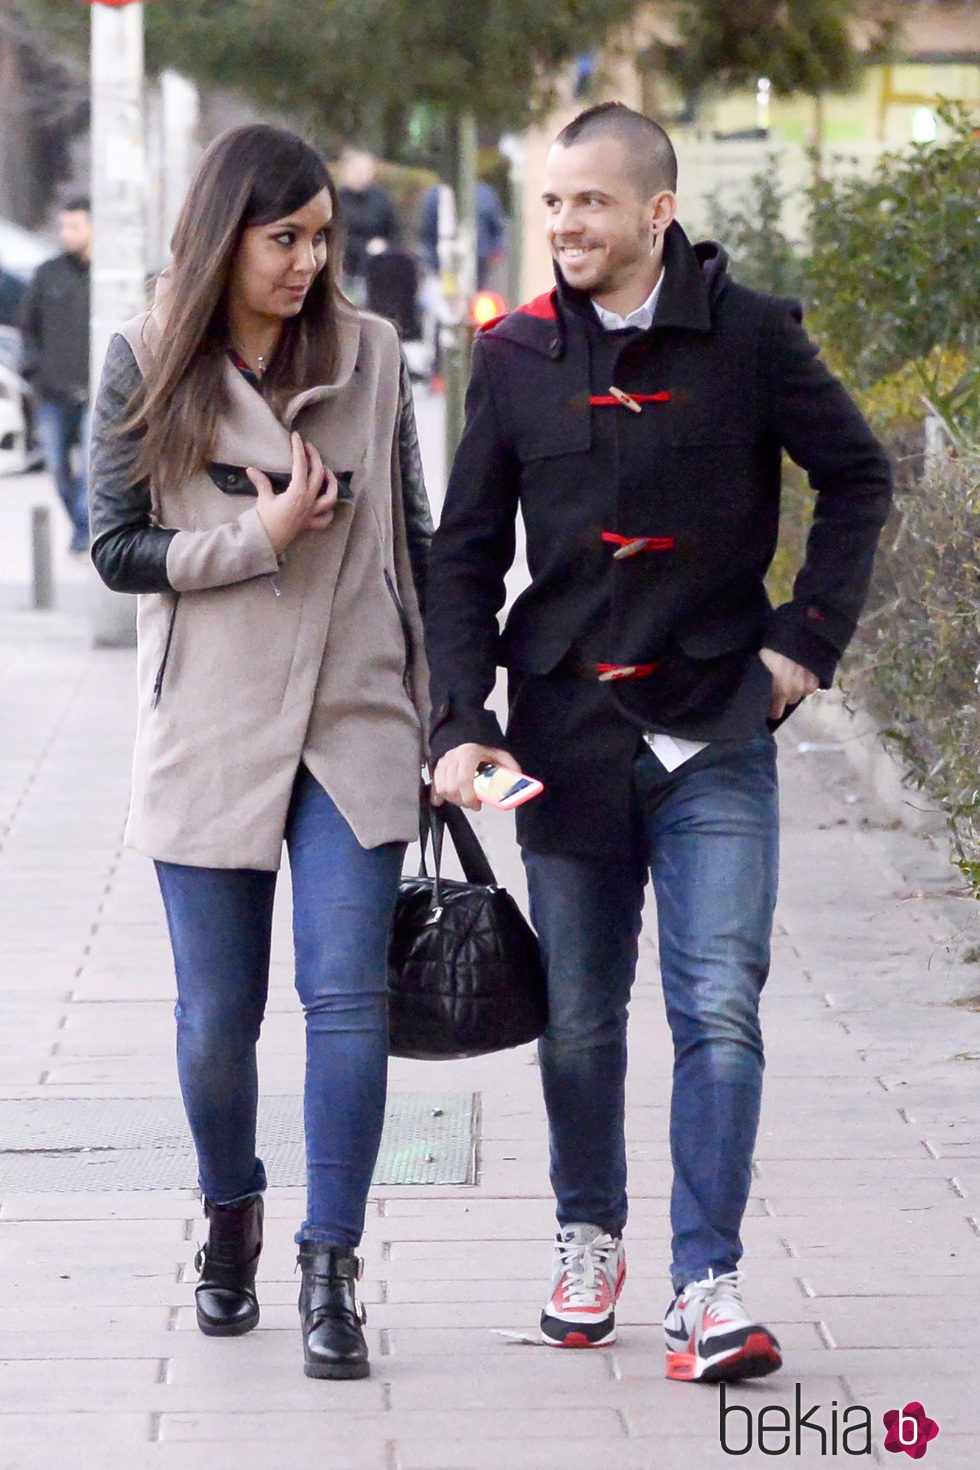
(60, 1145)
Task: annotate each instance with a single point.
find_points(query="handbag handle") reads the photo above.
(433, 822)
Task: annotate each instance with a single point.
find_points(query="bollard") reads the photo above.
(113, 617)
(43, 579)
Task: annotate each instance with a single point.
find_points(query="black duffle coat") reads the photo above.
(726, 379)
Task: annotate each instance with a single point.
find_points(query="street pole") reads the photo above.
(515, 151)
(180, 113)
(458, 251)
(118, 227)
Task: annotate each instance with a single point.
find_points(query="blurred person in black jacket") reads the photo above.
(54, 323)
(368, 215)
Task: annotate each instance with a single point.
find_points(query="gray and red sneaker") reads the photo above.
(586, 1279)
(710, 1337)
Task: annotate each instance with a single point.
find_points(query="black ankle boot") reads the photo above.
(225, 1295)
(333, 1342)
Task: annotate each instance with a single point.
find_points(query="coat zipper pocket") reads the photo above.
(158, 681)
(405, 627)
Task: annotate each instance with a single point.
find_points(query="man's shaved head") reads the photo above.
(651, 161)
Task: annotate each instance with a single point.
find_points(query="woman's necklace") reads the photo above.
(242, 361)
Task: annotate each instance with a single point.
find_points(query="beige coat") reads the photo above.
(271, 664)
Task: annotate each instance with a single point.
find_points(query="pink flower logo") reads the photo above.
(909, 1429)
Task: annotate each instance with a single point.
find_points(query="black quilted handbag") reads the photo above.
(465, 975)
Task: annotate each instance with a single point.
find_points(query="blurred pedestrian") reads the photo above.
(491, 230)
(636, 414)
(256, 479)
(368, 215)
(54, 324)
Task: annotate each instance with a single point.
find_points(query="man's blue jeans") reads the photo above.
(220, 928)
(711, 834)
(61, 429)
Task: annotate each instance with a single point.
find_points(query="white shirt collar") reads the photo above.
(642, 317)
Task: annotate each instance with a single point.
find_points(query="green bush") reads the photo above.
(762, 255)
(891, 283)
(892, 270)
(890, 278)
(916, 662)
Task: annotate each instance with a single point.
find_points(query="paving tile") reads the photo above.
(333, 1452)
(211, 1385)
(104, 1385)
(98, 1322)
(436, 1425)
(26, 1437)
(82, 1205)
(469, 1454)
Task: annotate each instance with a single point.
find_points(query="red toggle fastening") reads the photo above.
(616, 396)
(632, 545)
(608, 672)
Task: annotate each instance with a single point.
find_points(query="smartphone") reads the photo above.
(496, 786)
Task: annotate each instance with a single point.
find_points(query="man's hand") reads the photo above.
(791, 682)
(452, 779)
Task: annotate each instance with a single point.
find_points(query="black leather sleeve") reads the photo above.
(418, 516)
(128, 549)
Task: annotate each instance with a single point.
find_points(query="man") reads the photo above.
(54, 324)
(636, 415)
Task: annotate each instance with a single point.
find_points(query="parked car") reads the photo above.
(18, 452)
(21, 252)
(12, 289)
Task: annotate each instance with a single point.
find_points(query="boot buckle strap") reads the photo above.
(338, 1269)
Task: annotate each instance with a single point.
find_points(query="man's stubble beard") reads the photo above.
(643, 248)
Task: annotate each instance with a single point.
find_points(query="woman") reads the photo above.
(256, 479)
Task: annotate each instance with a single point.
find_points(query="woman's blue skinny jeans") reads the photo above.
(220, 923)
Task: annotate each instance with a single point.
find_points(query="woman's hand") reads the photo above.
(307, 504)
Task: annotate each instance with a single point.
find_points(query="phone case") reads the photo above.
(496, 786)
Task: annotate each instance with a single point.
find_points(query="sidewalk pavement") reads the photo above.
(861, 1237)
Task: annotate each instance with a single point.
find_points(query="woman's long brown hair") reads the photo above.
(249, 176)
